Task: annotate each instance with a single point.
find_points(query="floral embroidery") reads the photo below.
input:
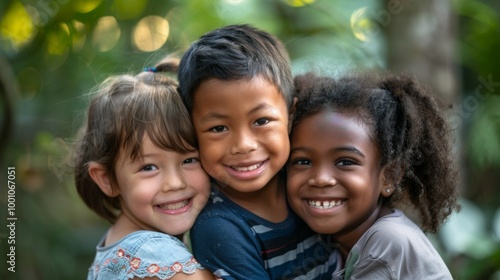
(177, 267)
(153, 268)
(120, 253)
(119, 262)
(135, 262)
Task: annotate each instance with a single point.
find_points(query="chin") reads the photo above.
(322, 228)
(179, 229)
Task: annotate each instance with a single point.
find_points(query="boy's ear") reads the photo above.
(101, 177)
(291, 114)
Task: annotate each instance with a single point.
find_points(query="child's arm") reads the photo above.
(228, 248)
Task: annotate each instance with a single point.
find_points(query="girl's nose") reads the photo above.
(174, 181)
(323, 177)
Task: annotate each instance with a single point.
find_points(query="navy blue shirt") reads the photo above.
(234, 243)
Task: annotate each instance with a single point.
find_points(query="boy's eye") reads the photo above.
(262, 121)
(218, 128)
(149, 167)
(190, 161)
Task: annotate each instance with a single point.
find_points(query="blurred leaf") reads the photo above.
(484, 135)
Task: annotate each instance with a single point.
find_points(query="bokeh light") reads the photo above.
(150, 33)
(106, 33)
(16, 27)
(85, 6)
(78, 35)
(361, 25)
(299, 3)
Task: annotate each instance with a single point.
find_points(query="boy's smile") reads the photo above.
(242, 130)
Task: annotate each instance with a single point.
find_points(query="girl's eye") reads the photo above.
(301, 162)
(149, 167)
(262, 121)
(218, 128)
(345, 162)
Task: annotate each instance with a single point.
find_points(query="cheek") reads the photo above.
(294, 180)
(277, 141)
(197, 178)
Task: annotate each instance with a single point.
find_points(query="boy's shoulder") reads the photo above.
(221, 213)
(220, 208)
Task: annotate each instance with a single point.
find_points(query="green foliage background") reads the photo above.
(50, 61)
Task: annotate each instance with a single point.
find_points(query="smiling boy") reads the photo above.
(237, 84)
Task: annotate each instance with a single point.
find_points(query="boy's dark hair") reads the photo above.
(235, 52)
(405, 123)
(124, 108)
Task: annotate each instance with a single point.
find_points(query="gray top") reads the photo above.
(393, 248)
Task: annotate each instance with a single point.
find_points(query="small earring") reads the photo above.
(387, 190)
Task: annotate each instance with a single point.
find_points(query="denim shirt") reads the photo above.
(142, 254)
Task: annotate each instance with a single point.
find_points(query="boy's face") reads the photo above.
(242, 130)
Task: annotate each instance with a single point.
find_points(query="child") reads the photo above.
(360, 146)
(236, 82)
(137, 155)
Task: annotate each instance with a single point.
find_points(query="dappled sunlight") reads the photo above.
(150, 33)
(16, 28)
(106, 34)
(54, 52)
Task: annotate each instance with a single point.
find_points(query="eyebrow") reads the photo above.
(349, 149)
(144, 156)
(215, 116)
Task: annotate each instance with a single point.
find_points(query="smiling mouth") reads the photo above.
(247, 168)
(174, 206)
(325, 204)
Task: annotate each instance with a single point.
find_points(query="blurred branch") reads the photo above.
(8, 89)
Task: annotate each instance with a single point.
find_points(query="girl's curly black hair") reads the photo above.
(405, 123)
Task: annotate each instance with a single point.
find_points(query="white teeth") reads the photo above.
(247, 168)
(174, 206)
(324, 204)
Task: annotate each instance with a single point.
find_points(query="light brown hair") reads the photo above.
(123, 109)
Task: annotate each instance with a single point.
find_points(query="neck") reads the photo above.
(269, 202)
(349, 237)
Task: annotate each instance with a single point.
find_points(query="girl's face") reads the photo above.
(161, 190)
(334, 179)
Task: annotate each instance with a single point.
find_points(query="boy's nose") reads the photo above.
(243, 142)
